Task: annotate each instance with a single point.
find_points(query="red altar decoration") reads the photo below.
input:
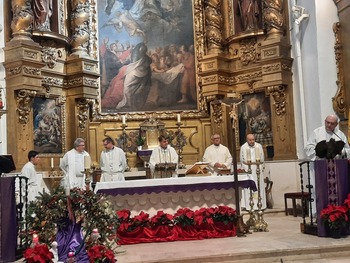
(184, 225)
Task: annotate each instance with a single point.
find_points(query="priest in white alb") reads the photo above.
(252, 151)
(112, 162)
(73, 164)
(164, 155)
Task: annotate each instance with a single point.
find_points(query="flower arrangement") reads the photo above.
(100, 253)
(184, 217)
(161, 219)
(127, 223)
(40, 253)
(49, 212)
(335, 216)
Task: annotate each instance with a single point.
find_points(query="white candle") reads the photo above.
(178, 118)
(51, 162)
(87, 162)
(249, 157)
(257, 154)
(35, 239)
(67, 191)
(123, 119)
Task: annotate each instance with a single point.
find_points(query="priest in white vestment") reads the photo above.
(163, 154)
(326, 132)
(217, 155)
(253, 151)
(72, 164)
(34, 181)
(112, 162)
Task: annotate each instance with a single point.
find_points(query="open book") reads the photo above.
(198, 168)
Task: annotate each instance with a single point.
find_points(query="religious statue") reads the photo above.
(42, 10)
(249, 13)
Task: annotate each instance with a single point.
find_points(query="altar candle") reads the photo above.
(87, 162)
(178, 118)
(249, 157)
(35, 239)
(67, 191)
(257, 154)
(123, 119)
(52, 163)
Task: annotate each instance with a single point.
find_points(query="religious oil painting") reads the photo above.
(47, 120)
(255, 117)
(146, 51)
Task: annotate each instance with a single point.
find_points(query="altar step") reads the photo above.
(283, 243)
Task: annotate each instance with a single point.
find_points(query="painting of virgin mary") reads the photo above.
(146, 55)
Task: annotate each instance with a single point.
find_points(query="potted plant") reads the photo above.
(140, 142)
(335, 217)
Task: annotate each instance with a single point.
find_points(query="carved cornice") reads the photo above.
(51, 81)
(339, 100)
(24, 102)
(279, 95)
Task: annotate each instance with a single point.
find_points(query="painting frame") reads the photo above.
(49, 126)
(165, 110)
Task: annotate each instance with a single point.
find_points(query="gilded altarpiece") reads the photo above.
(230, 61)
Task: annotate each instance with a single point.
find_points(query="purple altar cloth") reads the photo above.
(8, 232)
(176, 188)
(331, 186)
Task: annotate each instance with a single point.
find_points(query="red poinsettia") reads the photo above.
(335, 216)
(40, 253)
(347, 202)
(161, 219)
(204, 215)
(100, 253)
(184, 216)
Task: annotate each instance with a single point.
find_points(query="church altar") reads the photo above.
(170, 194)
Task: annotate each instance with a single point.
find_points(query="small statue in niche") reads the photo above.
(42, 10)
(249, 13)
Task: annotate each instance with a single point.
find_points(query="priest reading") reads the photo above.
(163, 161)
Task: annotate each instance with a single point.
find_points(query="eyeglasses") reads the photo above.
(81, 145)
(106, 143)
(215, 138)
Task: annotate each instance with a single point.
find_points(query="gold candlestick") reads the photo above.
(251, 222)
(181, 141)
(260, 224)
(124, 136)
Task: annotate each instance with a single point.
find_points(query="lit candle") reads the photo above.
(35, 239)
(123, 119)
(249, 157)
(51, 163)
(257, 154)
(178, 118)
(87, 162)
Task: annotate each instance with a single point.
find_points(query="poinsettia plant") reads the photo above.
(335, 216)
(40, 253)
(100, 253)
(161, 219)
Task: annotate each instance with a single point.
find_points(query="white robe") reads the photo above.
(160, 155)
(34, 182)
(72, 165)
(318, 135)
(113, 165)
(217, 154)
(246, 150)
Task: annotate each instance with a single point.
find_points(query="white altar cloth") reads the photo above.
(170, 194)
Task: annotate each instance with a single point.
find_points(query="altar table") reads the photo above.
(170, 194)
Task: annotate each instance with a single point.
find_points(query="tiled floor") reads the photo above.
(283, 243)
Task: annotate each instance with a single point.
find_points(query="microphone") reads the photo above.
(345, 155)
